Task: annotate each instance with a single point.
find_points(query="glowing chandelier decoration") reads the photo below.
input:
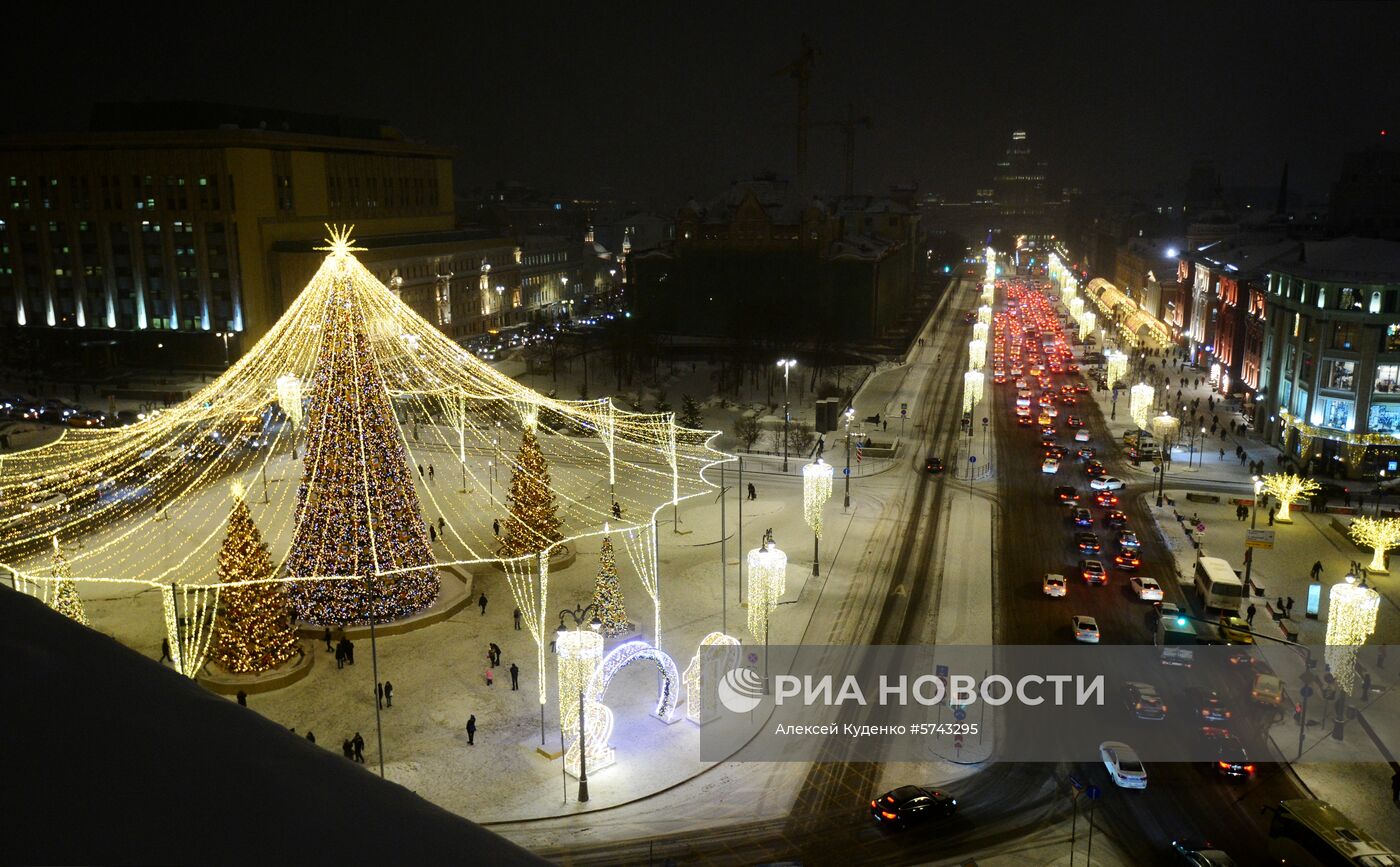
(816, 490)
(143, 505)
(1076, 308)
(1140, 403)
(1166, 428)
(973, 381)
(980, 330)
(767, 584)
(977, 354)
(1351, 619)
(984, 314)
(1115, 368)
(580, 654)
(1086, 324)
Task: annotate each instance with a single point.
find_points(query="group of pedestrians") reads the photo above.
(354, 748)
(384, 694)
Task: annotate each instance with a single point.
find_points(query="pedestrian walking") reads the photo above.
(420, 471)
(1316, 569)
(1249, 615)
(1273, 510)
(379, 695)
(359, 744)
(327, 637)
(495, 654)
(1288, 606)
(164, 649)
(242, 698)
(490, 676)
(514, 677)
(349, 652)
(496, 527)
(885, 425)
(616, 509)
(310, 736)
(432, 533)
(482, 602)
(348, 749)
(753, 493)
(340, 655)
(441, 524)
(516, 615)
(388, 694)
(471, 730)
(430, 472)
(1222, 451)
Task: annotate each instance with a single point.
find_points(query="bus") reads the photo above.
(1176, 636)
(1218, 586)
(1311, 832)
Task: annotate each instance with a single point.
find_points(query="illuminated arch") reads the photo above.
(624, 655)
(703, 674)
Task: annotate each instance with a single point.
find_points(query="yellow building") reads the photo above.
(163, 219)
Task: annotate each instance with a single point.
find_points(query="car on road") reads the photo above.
(999, 377)
(1081, 517)
(1054, 585)
(1128, 539)
(1074, 421)
(1059, 453)
(909, 804)
(1206, 704)
(1047, 441)
(1086, 628)
(1147, 589)
(1081, 387)
(1050, 466)
(1124, 766)
(1267, 689)
(1093, 469)
(1066, 494)
(1088, 543)
(1106, 483)
(1044, 420)
(1164, 609)
(933, 464)
(1231, 760)
(1085, 452)
(1052, 411)
(1127, 560)
(1143, 701)
(1105, 498)
(1115, 518)
(1024, 420)
(1235, 629)
(1082, 435)
(1069, 400)
(1093, 571)
(1203, 855)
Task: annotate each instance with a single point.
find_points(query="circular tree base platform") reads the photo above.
(454, 592)
(215, 679)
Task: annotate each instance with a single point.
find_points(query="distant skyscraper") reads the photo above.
(1020, 178)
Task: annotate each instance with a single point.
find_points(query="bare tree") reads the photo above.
(747, 430)
(801, 437)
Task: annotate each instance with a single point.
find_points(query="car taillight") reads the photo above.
(1163, 708)
(888, 815)
(1227, 714)
(1249, 769)
(1137, 706)
(1224, 766)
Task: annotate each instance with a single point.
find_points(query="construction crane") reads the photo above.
(848, 127)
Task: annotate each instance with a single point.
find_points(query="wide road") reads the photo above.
(1183, 801)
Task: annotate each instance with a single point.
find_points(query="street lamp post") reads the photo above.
(225, 335)
(1253, 523)
(787, 364)
(501, 303)
(578, 613)
(850, 413)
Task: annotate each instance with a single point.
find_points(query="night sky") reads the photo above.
(660, 102)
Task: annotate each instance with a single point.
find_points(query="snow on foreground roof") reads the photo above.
(111, 758)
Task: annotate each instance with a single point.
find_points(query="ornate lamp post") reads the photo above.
(1351, 619)
(816, 490)
(579, 655)
(767, 583)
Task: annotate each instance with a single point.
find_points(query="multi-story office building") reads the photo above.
(1331, 359)
(159, 224)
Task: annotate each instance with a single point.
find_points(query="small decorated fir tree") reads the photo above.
(65, 596)
(254, 632)
(607, 594)
(532, 524)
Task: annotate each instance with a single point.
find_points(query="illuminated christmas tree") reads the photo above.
(607, 594)
(254, 632)
(532, 524)
(65, 595)
(357, 510)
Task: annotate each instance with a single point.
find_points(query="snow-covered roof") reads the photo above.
(1362, 260)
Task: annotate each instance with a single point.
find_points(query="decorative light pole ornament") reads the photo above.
(1351, 619)
(767, 584)
(816, 490)
(289, 397)
(1140, 405)
(972, 389)
(1076, 308)
(980, 330)
(580, 654)
(976, 354)
(984, 314)
(1116, 367)
(1165, 429)
(1087, 323)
